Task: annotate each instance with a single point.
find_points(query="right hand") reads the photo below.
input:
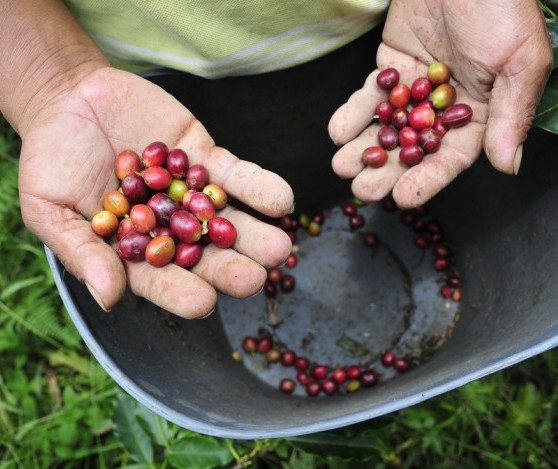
(66, 166)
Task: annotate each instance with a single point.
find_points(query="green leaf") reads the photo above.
(131, 434)
(352, 347)
(198, 452)
(157, 427)
(547, 111)
(332, 444)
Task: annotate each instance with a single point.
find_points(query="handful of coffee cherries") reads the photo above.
(164, 210)
(415, 118)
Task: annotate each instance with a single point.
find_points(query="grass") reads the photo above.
(59, 409)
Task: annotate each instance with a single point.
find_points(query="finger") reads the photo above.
(266, 244)
(173, 288)
(460, 148)
(353, 116)
(347, 161)
(512, 107)
(230, 272)
(169, 121)
(258, 188)
(84, 254)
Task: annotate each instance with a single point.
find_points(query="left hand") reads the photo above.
(500, 56)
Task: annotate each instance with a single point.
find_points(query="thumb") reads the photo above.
(84, 254)
(512, 108)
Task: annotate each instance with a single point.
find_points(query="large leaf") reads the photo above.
(157, 427)
(131, 434)
(198, 452)
(547, 111)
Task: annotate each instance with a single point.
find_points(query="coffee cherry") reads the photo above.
(104, 223)
(217, 195)
(349, 209)
(302, 363)
(318, 217)
(353, 372)
(439, 127)
(356, 221)
(176, 190)
(287, 386)
(132, 246)
(201, 206)
(313, 388)
(125, 227)
(222, 232)
(287, 283)
(421, 117)
(411, 155)
(264, 344)
(188, 255)
(384, 111)
(302, 378)
(273, 356)
(441, 250)
(292, 260)
(157, 178)
(388, 78)
(197, 177)
(388, 358)
(142, 218)
(126, 162)
(400, 118)
(134, 188)
(116, 202)
(422, 241)
(250, 344)
(456, 295)
(177, 163)
(445, 291)
(374, 157)
(160, 251)
(185, 226)
(438, 73)
(274, 274)
(420, 89)
(401, 365)
(443, 96)
(155, 154)
(370, 239)
(408, 136)
(457, 115)
(288, 358)
(352, 385)
(303, 220)
(453, 281)
(270, 289)
(339, 375)
(319, 371)
(441, 263)
(329, 386)
(163, 207)
(368, 378)
(388, 138)
(400, 96)
(429, 140)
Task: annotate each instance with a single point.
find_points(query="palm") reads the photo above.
(67, 166)
(502, 84)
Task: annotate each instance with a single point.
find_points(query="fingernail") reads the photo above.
(97, 298)
(517, 159)
(207, 315)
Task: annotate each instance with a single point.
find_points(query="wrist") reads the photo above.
(44, 54)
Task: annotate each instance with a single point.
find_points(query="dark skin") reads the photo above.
(502, 81)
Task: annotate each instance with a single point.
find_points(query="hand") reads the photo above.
(500, 56)
(66, 166)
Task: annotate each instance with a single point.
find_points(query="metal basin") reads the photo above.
(499, 228)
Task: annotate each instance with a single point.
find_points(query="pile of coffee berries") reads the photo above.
(164, 210)
(315, 377)
(415, 118)
(329, 379)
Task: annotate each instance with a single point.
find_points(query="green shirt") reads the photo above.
(216, 38)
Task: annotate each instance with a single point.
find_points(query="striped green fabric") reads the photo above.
(216, 38)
